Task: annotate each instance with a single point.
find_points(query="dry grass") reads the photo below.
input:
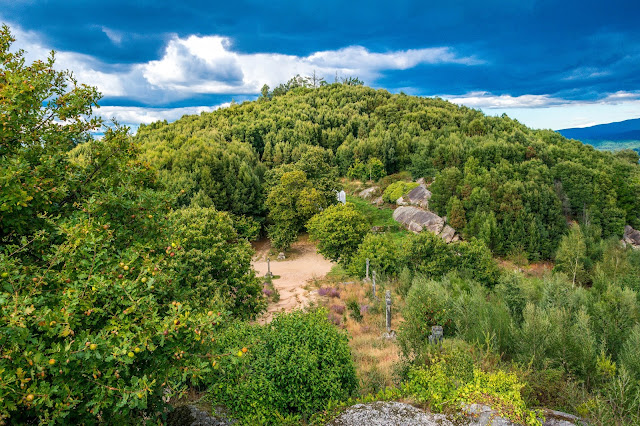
(374, 355)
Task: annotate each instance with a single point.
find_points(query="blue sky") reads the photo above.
(550, 64)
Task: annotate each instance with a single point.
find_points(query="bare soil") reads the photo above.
(302, 266)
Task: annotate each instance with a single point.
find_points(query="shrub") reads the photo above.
(298, 363)
(428, 303)
(339, 230)
(397, 190)
(382, 252)
(452, 381)
(355, 311)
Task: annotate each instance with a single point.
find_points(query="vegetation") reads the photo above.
(290, 369)
(126, 276)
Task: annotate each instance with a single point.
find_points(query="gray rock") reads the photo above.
(448, 233)
(401, 201)
(419, 196)
(388, 414)
(281, 256)
(391, 413)
(631, 237)
(368, 193)
(416, 219)
(377, 201)
(422, 182)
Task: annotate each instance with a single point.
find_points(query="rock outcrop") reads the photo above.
(419, 196)
(368, 193)
(387, 414)
(416, 219)
(397, 413)
(631, 237)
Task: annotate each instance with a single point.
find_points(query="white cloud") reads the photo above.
(114, 36)
(142, 115)
(548, 112)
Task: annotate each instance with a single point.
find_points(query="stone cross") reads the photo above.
(367, 276)
(268, 267)
(373, 284)
(388, 299)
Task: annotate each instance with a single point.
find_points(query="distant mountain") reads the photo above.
(610, 136)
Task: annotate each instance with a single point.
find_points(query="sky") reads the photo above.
(549, 64)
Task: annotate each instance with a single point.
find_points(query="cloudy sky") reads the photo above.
(550, 64)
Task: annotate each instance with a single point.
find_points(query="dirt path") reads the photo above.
(302, 265)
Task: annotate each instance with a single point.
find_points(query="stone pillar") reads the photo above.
(268, 267)
(388, 300)
(373, 284)
(367, 274)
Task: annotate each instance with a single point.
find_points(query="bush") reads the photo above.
(397, 190)
(452, 381)
(428, 303)
(298, 363)
(382, 252)
(339, 230)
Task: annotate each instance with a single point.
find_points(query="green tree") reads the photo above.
(291, 203)
(339, 230)
(456, 215)
(571, 255)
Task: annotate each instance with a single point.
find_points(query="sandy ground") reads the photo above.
(302, 265)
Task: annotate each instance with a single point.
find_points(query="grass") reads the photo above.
(375, 357)
(381, 217)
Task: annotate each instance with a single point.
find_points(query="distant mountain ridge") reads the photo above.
(618, 135)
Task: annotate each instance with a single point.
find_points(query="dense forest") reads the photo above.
(126, 280)
(517, 186)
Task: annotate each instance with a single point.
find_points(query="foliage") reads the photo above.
(428, 304)
(372, 170)
(339, 230)
(96, 300)
(291, 203)
(354, 310)
(213, 258)
(299, 362)
(571, 254)
(382, 252)
(397, 190)
(451, 381)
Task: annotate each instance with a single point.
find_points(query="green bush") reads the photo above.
(451, 381)
(397, 190)
(428, 303)
(382, 252)
(339, 230)
(296, 364)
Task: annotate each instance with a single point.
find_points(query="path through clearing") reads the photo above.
(302, 265)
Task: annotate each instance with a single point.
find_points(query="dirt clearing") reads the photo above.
(303, 264)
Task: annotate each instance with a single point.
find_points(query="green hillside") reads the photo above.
(517, 186)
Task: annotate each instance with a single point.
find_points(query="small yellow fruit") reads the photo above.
(52, 361)
(29, 397)
(151, 287)
(5, 274)
(93, 346)
(131, 354)
(210, 313)
(140, 395)
(150, 216)
(137, 350)
(240, 353)
(121, 264)
(244, 350)
(173, 244)
(125, 267)
(93, 288)
(144, 280)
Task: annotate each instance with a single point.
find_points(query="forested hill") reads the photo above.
(517, 186)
